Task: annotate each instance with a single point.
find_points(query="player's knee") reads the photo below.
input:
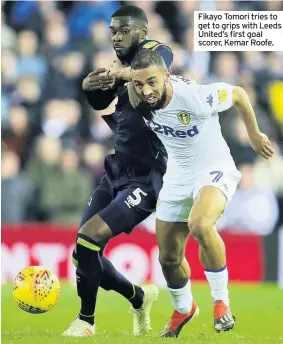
(170, 259)
(97, 230)
(94, 234)
(86, 257)
(100, 236)
(200, 229)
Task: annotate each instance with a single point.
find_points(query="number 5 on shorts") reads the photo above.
(219, 174)
(131, 202)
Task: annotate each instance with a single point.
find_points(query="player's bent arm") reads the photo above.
(124, 73)
(99, 89)
(119, 71)
(241, 101)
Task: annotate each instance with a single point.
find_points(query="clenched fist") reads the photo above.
(96, 81)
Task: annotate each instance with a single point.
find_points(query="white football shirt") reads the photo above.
(190, 131)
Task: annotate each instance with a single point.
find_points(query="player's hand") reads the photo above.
(119, 71)
(261, 144)
(96, 81)
(134, 97)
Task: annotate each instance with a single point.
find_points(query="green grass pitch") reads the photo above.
(258, 308)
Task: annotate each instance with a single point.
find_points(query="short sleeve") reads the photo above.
(213, 98)
(162, 49)
(166, 53)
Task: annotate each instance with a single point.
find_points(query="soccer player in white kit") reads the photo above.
(201, 178)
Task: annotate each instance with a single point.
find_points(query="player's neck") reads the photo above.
(169, 94)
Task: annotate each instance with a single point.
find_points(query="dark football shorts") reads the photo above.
(125, 196)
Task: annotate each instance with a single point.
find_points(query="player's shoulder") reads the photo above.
(152, 44)
(183, 85)
(182, 81)
(186, 92)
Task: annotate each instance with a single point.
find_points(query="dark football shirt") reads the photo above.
(136, 145)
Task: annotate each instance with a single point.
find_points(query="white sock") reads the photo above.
(182, 298)
(218, 281)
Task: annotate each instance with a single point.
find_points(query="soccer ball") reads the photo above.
(36, 289)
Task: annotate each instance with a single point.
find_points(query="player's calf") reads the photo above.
(89, 271)
(113, 280)
(91, 239)
(174, 274)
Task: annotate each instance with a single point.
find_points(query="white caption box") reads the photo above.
(238, 31)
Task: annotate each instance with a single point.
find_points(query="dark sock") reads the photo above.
(113, 280)
(89, 273)
(89, 319)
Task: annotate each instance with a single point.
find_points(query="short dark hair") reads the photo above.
(147, 58)
(131, 11)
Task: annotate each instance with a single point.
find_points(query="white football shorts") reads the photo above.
(225, 180)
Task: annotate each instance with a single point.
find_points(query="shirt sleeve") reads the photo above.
(213, 98)
(100, 100)
(162, 49)
(166, 53)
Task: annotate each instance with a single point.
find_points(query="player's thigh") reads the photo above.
(212, 191)
(172, 240)
(208, 206)
(92, 225)
(130, 207)
(174, 211)
(100, 199)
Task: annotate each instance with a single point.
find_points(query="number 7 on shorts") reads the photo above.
(218, 174)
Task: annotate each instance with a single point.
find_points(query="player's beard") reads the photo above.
(146, 109)
(129, 54)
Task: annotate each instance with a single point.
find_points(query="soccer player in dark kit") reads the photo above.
(128, 192)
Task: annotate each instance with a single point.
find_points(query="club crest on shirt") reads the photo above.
(150, 45)
(184, 117)
(222, 96)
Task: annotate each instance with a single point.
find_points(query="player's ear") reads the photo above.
(143, 33)
(167, 75)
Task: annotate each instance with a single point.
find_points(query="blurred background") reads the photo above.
(54, 144)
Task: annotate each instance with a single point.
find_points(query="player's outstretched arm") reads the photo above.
(259, 141)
